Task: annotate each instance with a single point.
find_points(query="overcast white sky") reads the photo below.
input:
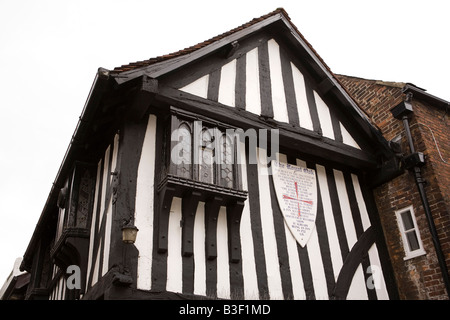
(50, 52)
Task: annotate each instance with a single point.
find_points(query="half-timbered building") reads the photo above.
(146, 152)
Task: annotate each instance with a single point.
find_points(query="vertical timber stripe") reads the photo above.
(335, 250)
(324, 116)
(336, 124)
(188, 273)
(236, 276)
(315, 258)
(103, 215)
(109, 207)
(94, 226)
(312, 108)
(354, 208)
(255, 220)
(213, 85)
(365, 220)
(298, 291)
(211, 264)
(250, 280)
(288, 80)
(337, 213)
(159, 260)
(283, 255)
(268, 229)
(264, 81)
(348, 222)
(99, 243)
(240, 90)
(324, 242)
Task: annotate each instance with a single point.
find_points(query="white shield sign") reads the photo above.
(296, 191)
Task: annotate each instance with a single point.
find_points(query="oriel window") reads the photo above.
(202, 151)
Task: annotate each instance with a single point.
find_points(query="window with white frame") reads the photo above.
(412, 242)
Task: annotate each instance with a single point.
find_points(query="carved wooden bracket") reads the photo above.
(189, 207)
(234, 213)
(214, 197)
(212, 207)
(166, 196)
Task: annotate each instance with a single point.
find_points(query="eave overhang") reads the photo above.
(98, 88)
(422, 95)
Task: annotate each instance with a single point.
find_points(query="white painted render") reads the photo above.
(199, 87)
(228, 84)
(280, 112)
(174, 261)
(253, 96)
(248, 255)
(333, 240)
(223, 271)
(298, 289)
(145, 206)
(324, 116)
(268, 229)
(144, 243)
(304, 114)
(199, 251)
(347, 138)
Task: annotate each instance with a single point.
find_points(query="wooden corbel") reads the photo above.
(165, 199)
(212, 207)
(189, 207)
(234, 213)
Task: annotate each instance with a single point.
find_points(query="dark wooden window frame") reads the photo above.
(191, 190)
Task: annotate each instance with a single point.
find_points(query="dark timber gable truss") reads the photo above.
(162, 78)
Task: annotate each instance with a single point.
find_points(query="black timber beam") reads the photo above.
(290, 137)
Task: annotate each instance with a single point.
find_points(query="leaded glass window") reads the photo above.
(184, 167)
(206, 157)
(226, 165)
(201, 151)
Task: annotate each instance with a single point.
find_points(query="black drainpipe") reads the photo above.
(413, 163)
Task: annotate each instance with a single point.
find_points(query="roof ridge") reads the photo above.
(394, 84)
(147, 62)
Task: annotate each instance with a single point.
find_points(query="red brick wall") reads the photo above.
(420, 277)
